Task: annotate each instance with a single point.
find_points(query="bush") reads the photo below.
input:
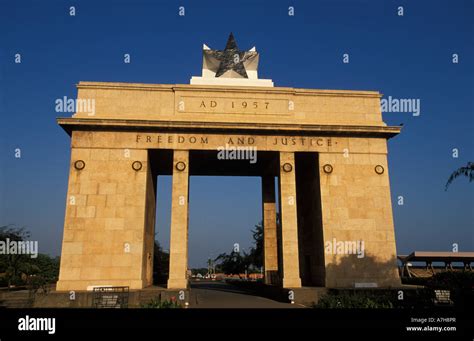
(452, 280)
(3, 281)
(38, 284)
(355, 299)
(157, 303)
(415, 280)
(459, 283)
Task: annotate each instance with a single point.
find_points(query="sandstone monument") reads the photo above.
(326, 148)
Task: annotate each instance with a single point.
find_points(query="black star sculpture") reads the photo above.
(231, 58)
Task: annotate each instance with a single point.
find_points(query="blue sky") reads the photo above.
(407, 56)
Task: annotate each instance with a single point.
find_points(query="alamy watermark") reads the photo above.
(229, 152)
(80, 105)
(408, 105)
(19, 247)
(346, 247)
(28, 323)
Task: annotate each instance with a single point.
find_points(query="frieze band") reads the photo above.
(242, 140)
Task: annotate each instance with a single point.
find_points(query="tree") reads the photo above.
(46, 266)
(256, 252)
(236, 263)
(13, 265)
(233, 263)
(161, 264)
(41, 272)
(201, 271)
(467, 171)
(21, 269)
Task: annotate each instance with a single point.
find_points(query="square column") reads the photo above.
(110, 219)
(269, 230)
(289, 224)
(362, 213)
(179, 221)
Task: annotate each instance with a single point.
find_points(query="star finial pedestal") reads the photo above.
(230, 66)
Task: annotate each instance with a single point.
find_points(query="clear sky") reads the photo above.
(409, 56)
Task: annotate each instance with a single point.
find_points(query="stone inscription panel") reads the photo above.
(190, 141)
(234, 105)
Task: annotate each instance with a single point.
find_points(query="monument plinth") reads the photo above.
(230, 67)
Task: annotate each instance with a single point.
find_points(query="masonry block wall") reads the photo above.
(356, 205)
(110, 212)
(105, 222)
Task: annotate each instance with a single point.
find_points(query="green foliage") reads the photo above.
(37, 284)
(415, 280)
(42, 271)
(161, 261)
(202, 271)
(236, 263)
(156, 303)
(459, 283)
(21, 269)
(256, 252)
(452, 280)
(355, 299)
(13, 266)
(233, 263)
(46, 266)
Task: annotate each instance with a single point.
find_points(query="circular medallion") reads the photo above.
(137, 165)
(181, 166)
(287, 167)
(327, 168)
(379, 169)
(79, 164)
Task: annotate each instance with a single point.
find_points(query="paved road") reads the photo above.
(208, 294)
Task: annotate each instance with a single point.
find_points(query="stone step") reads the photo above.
(16, 299)
(16, 303)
